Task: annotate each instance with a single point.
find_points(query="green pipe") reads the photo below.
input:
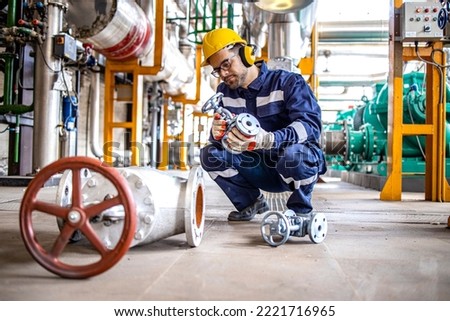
(15, 109)
(230, 16)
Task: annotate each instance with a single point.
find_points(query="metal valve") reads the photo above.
(276, 227)
(246, 123)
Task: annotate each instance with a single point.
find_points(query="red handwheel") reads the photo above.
(77, 216)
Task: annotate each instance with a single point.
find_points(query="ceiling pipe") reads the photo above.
(118, 29)
(354, 31)
(283, 6)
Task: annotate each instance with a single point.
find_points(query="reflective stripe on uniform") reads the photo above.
(229, 172)
(234, 102)
(276, 95)
(302, 182)
(300, 130)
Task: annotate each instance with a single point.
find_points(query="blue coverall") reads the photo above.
(283, 104)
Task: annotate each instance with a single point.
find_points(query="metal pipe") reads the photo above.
(166, 205)
(47, 101)
(9, 58)
(354, 31)
(94, 115)
(9, 77)
(118, 29)
(284, 36)
(154, 109)
(15, 109)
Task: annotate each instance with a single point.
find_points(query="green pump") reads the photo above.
(357, 140)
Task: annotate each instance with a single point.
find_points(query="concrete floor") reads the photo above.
(374, 250)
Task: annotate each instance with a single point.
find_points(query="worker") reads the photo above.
(285, 155)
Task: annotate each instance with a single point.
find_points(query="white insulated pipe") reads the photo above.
(94, 115)
(166, 205)
(47, 101)
(118, 29)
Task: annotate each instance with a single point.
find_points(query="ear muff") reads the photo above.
(247, 54)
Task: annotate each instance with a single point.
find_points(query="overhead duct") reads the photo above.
(283, 6)
(290, 32)
(118, 29)
(254, 27)
(284, 36)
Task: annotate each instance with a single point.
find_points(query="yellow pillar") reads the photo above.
(392, 189)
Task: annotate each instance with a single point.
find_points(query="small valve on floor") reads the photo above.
(246, 123)
(276, 227)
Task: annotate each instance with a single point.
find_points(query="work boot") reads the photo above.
(259, 207)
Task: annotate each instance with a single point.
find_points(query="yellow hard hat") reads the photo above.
(216, 40)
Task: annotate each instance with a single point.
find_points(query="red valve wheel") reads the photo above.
(77, 217)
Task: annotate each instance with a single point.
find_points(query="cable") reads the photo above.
(439, 68)
(45, 61)
(6, 129)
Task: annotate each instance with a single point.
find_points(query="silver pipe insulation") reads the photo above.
(353, 31)
(166, 205)
(254, 26)
(94, 115)
(161, 213)
(284, 36)
(118, 29)
(47, 101)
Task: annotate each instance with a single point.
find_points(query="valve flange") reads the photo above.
(246, 123)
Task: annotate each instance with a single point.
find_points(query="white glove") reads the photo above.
(219, 126)
(239, 142)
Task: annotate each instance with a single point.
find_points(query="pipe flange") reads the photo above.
(317, 228)
(194, 211)
(247, 124)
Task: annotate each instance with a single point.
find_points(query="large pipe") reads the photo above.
(284, 36)
(283, 6)
(290, 31)
(118, 29)
(254, 26)
(166, 205)
(47, 101)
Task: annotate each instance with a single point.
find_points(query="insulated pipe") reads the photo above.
(111, 209)
(118, 29)
(47, 101)
(284, 36)
(165, 205)
(376, 31)
(283, 6)
(94, 115)
(176, 71)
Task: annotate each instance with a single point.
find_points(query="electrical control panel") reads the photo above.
(419, 21)
(65, 46)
